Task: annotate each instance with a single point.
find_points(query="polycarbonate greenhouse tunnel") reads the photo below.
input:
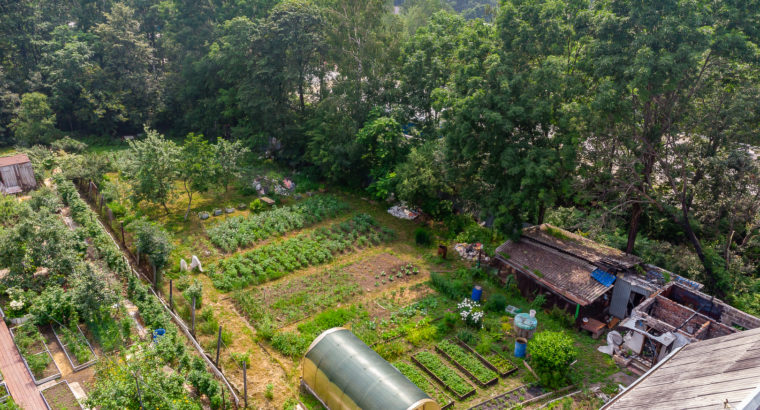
(344, 373)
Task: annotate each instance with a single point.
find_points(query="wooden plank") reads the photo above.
(714, 400)
(17, 378)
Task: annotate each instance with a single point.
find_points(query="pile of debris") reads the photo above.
(402, 212)
(265, 185)
(471, 251)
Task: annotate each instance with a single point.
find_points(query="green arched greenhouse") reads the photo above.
(344, 373)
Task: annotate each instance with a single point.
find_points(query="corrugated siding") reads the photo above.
(26, 173)
(9, 177)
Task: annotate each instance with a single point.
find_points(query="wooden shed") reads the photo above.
(16, 174)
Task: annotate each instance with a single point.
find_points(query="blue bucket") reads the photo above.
(158, 333)
(477, 292)
(521, 346)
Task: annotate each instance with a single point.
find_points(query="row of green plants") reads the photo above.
(240, 232)
(467, 361)
(298, 298)
(88, 221)
(420, 381)
(75, 343)
(446, 374)
(294, 344)
(31, 344)
(275, 260)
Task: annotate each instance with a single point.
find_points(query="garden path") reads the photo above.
(16, 375)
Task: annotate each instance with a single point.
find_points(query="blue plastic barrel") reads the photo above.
(477, 292)
(521, 345)
(158, 333)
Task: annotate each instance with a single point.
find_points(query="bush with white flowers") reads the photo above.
(470, 312)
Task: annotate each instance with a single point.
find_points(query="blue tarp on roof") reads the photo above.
(605, 278)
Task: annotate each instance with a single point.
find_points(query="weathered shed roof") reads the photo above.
(564, 274)
(702, 375)
(579, 246)
(13, 160)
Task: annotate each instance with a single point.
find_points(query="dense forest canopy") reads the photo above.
(634, 122)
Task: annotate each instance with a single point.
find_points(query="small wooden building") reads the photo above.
(16, 174)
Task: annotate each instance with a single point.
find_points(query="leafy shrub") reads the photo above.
(390, 351)
(550, 355)
(256, 206)
(117, 208)
(195, 290)
(290, 343)
(538, 302)
(496, 303)
(452, 288)
(422, 237)
(420, 334)
(69, 145)
(465, 336)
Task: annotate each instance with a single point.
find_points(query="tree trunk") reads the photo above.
(166, 208)
(541, 212)
(707, 264)
(189, 203)
(727, 253)
(633, 229)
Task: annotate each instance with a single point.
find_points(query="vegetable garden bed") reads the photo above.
(4, 393)
(75, 345)
(444, 375)
(240, 232)
(60, 397)
(467, 363)
(275, 260)
(33, 349)
(424, 384)
(492, 360)
(511, 398)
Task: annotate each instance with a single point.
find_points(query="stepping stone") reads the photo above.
(267, 200)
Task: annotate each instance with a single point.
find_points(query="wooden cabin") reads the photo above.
(16, 174)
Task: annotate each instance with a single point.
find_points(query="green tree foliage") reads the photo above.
(229, 157)
(423, 179)
(153, 168)
(550, 356)
(153, 241)
(196, 167)
(35, 121)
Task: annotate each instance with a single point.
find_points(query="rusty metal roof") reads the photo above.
(13, 160)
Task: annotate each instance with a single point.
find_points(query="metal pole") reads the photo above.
(171, 295)
(139, 395)
(245, 386)
(218, 345)
(192, 329)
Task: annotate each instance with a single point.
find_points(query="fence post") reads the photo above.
(192, 329)
(139, 395)
(245, 385)
(123, 239)
(218, 345)
(171, 295)
(155, 277)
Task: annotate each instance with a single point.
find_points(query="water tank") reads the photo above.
(477, 292)
(525, 324)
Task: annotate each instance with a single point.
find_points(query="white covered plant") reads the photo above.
(471, 312)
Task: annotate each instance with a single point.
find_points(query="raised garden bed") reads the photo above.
(60, 397)
(424, 384)
(467, 363)
(37, 358)
(444, 375)
(512, 398)
(492, 360)
(4, 393)
(75, 345)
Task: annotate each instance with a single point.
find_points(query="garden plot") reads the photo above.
(511, 398)
(424, 384)
(34, 351)
(492, 360)
(4, 393)
(240, 232)
(75, 345)
(60, 397)
(301, 297)
(467, 363)
(277, 259)
(443, 374)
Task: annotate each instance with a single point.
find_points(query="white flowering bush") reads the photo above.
(471, 312)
